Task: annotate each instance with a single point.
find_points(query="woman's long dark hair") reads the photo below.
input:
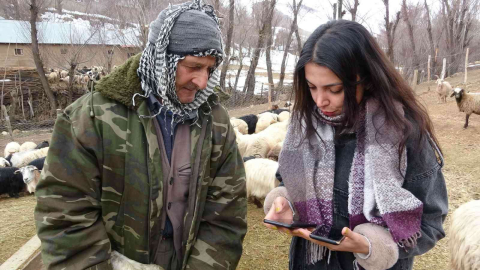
(349, 50)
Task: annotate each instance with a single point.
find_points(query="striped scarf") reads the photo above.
(157, 69)
(375, 181)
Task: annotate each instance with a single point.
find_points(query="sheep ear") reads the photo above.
(17, 172)
(453, 94)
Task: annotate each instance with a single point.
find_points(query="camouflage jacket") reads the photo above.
(101, 187)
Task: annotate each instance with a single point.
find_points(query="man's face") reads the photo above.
(192, 75)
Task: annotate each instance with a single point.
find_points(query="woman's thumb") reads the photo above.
(348, 233)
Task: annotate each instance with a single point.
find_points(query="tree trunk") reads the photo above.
(299, 41)
(390, 28)
(406, 19)
(431, 43)
(226, 61)
(268, 58)
(293, 27)
(353, 11)
(71, 79)
(58, 6)
(340, 12)
(16, 7)
(267, 16)
(37, 59)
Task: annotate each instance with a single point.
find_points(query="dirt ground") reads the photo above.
(267, 249)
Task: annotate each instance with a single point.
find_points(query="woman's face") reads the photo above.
(327, 89)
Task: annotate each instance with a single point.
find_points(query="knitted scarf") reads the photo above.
(375, 181)
(157, 69)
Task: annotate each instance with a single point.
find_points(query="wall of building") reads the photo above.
(60, 56)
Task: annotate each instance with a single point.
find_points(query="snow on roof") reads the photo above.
(78, 32)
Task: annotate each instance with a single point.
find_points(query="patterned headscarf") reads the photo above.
(157, 70)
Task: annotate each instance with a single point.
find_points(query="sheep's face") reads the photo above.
(458, 93)
(28, 172)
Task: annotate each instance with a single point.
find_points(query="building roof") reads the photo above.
(66, 33)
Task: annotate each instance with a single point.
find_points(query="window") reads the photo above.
(130, 54)
(18, 51)
(110, 52)
(63, 51)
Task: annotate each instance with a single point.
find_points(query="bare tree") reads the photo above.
(352, 8)
(268, 8)
(407, 20)
(430, 39)
(294, 26)
(340, 12)
(59, 6)
(458, 18)
(226, 62)
(390, 28)
(34, 8)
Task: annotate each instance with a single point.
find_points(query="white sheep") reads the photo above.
(27, 146)
(239, 124)
(264, 120)
(122, 262)
(260, 178)
(443, 89)
(4, 163)
(22, 159)
(53, 77)
(63, 74)
(467, 102)
(464, 233)
(12, 147)
(275, 151)
(261, 143)
(283, 116)
(31, 176)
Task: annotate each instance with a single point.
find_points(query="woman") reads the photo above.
(359, 159)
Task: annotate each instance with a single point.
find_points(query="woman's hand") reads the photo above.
(281, 212)
(353, 242)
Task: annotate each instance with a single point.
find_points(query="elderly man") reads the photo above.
(146, 168)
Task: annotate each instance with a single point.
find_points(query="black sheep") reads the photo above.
(38, 163)
(42, 145)
(251, 120)
(10, 182)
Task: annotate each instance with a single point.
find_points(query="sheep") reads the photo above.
(30, 176)
(4, 163)
(443, 89)
(39, 162)
(464, 237)
(251, 121)
(10, 182)
(12, 147)
(264, 120)
(27, 146)
(260, 178)
(467, 102)
(63, 74)
(53, 77)
(283, 116)
(23, 158)
(275, 151)
(122, 262)
(239, 124)
(42, 145)
(260, 144)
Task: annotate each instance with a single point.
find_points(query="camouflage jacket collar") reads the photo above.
(123, 83)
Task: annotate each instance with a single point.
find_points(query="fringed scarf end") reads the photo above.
(409, 242)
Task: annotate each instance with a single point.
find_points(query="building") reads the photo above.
(63, 43)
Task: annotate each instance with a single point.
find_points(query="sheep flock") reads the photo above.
(20, 167)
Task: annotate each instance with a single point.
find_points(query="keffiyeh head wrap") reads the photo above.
(158, 64)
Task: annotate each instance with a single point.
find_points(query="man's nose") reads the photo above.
(201, 79)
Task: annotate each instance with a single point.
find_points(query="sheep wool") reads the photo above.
(12, 147)
(443, 89)
(22, 159)
(121, 262)
(27, 146)
(283, 116)
(239, 124)
(465, 237)
(265, 120)
(260, 178)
